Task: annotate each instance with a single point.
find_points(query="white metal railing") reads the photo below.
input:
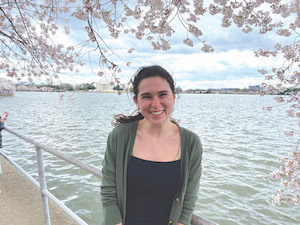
(42, 185)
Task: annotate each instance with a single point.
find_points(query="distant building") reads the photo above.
(6, 87)
(103, 86)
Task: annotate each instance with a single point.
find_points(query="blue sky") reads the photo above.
(232, 64)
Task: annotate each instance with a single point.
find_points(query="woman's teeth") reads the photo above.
(157, 113)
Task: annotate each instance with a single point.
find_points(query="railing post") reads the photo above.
(43, 185)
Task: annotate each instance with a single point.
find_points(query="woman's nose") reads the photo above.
(155, 102)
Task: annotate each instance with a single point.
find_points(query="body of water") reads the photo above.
(241, 141)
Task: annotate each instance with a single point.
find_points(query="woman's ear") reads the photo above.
(135, 100)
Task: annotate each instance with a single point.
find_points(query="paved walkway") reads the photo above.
(20, 201)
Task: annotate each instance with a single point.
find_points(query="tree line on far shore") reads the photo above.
(25, 86)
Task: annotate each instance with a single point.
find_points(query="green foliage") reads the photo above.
(118, 88)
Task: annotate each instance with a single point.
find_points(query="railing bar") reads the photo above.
(64, 208)
(59, 154)
(72, 160)
(20, 135)
(197, 220)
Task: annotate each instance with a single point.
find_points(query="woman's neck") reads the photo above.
(168, 128)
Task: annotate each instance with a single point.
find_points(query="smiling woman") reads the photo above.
(155, 100)
(141, 74)
(152, 166)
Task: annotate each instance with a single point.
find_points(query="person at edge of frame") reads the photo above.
(3, 118)
(152, 166)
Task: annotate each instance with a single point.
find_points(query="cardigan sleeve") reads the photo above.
(111, 210)
(193, 182)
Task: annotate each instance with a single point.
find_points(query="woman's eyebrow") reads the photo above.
(160, 92)
(145, 94)
(163, 92)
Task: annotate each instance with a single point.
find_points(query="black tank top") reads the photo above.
(151, 188)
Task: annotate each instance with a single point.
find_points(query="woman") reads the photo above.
(152, 166)
(3, 118)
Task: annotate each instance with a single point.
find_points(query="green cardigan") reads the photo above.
(113, 188)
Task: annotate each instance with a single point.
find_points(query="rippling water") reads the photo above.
(242, 144)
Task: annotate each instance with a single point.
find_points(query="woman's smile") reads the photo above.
(157, 112)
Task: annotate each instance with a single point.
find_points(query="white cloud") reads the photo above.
(78, 79)
(210, 70)
(216, 84)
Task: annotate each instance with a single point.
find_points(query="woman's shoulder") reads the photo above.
(191, 142)
(188, 134)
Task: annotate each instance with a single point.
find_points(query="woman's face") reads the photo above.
(155, 100)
